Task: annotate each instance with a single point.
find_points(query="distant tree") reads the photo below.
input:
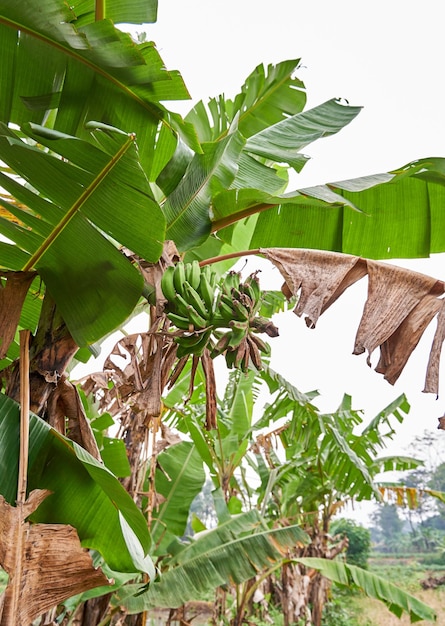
(359, 541)
(388, 527)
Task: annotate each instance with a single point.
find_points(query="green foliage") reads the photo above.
(359, 541)
(84, 493)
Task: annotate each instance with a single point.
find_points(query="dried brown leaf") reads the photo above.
(393, 292)
(432, 372)
(209, 372)
(12, 296)
(52, 564)
(64, 402)
(321, 277)
(396, 350)
(400, 303)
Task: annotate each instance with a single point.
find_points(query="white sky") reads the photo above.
(384, 56)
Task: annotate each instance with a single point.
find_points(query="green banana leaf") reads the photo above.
(407, 201)
(63, 72)
(84, 493)
(179, 478)
(397, 600)
(283, 141)
(187, 208)
(118, 11)
(234, 551)
(77, 207)
(267, 96)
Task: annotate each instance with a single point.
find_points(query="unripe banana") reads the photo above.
(181, 305)
(192, 344)
(231, 281)
(196, 319)
(195, 274)
(224, 312)
(207, 292)
(195, 300)
(241, 312)
(236, 336)
(180, 322)
(167, 284)
(179, 277)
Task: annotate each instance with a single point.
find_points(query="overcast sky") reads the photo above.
(385, 56)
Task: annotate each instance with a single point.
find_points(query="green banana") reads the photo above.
(195, 300)
(179, 276)
(195, 274)
(236, 336)
(231, 281)
(207, 292)
(181, 305)
(196, 319)
(252, 284)
(223, 311)
(241, 312)
(180, 322)
(167, 284)
(192, 344)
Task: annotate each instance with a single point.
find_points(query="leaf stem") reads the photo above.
(100, 10)
(231, 255)
(239, 215)
(24, 416)
(78, 205)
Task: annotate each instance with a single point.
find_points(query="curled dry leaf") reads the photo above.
(399, 306)
(64, 402)
(48, 558)
(12, 296)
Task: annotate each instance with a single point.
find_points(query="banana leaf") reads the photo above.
(129, 12)
(84, 493)
(397, 600)
(179, 478)
(234, 551)
(399, 215)
(62, 71)
(83, 199)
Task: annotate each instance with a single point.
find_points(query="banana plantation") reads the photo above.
(113, 206)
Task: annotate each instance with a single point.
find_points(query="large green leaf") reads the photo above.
(268, 96)
(400, 215)
(187, 208)
(64, 73)
(234, 551)
(84, 493)
(82, 199)
(179, 479)
(396, 599)
(283, 141)
(118, 11)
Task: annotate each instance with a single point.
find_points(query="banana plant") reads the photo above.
(97, 175)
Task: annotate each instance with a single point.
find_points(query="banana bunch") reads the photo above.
(221, 316)
(190, 292)
(237, 307)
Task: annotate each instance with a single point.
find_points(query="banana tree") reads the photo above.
(296, 485)
(97, 175)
